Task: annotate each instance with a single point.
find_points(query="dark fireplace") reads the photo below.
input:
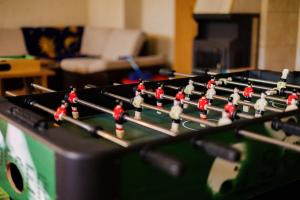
(224, 40)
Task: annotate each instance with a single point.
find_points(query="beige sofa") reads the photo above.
(106, 46)
(102, 48)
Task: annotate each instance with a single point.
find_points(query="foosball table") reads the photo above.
(205, 136)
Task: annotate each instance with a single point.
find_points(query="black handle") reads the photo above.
(289, 128)
(29, 118)
(218, 150)
(166, 72)
(162, 161)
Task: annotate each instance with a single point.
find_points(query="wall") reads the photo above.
(16, 13)
(278, 34)
(158, 19)
(106, 13)
(298, 46)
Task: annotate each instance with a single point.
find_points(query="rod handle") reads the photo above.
(218, 150)
(166, 72)
(162, 161)
(289, 128)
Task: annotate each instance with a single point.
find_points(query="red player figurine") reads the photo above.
(211, 81)
(141, 87)
(292, 96)
(72, 99)
(119, 119)
(248, 91)
(60, 112)
(180, 96)
(159, 93)
(230, 108)
(202, 106)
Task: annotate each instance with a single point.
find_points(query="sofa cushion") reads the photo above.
(83, 65)
(53, 42)
(92, 65)
(123, 42)
(12, 42)
(94, 40)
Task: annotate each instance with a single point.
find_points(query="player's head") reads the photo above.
(249, 83)
(285, 73)
(263, 95)
(191, 81)
(180, 89)
(236, 90)
(119, 102)
(141, 81)
(160, 85)
(71, 88)
(230, 99)
(213, 77)
(295, 91)
(64, 103)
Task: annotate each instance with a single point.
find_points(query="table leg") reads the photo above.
(44, 81)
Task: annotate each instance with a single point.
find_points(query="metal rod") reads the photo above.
(272, 82)
(103, 109)
(39, 87)
(183, 116)
(11, 94)
(185, 75)
(231, 90)
(261, 138)
(79, 123)
(142, 123)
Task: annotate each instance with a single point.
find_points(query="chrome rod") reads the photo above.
(261, 138)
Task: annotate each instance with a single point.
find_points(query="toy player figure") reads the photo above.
(235, 96)
(229, 108)
(281, 85)
(141, 87)
(210, 93)
(224, 120)
(292, 105)
(212, 81)
(180, 97)
(175, 113)
(260, 105)
(188, 91)
(159, 93)
(137, 103)
(60, 112)
(119, 116)
(248, 91)
(202, 106)
(292, 96)
(72, 99)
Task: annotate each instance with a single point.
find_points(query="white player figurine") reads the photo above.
(224, 120)
(260, 105)
(137, 102)
(281, 85)
(188, 90)
(292, 105)
(175, 113)
(210, 93)
(235, 96)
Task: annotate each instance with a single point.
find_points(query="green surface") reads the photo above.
(33, 160)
